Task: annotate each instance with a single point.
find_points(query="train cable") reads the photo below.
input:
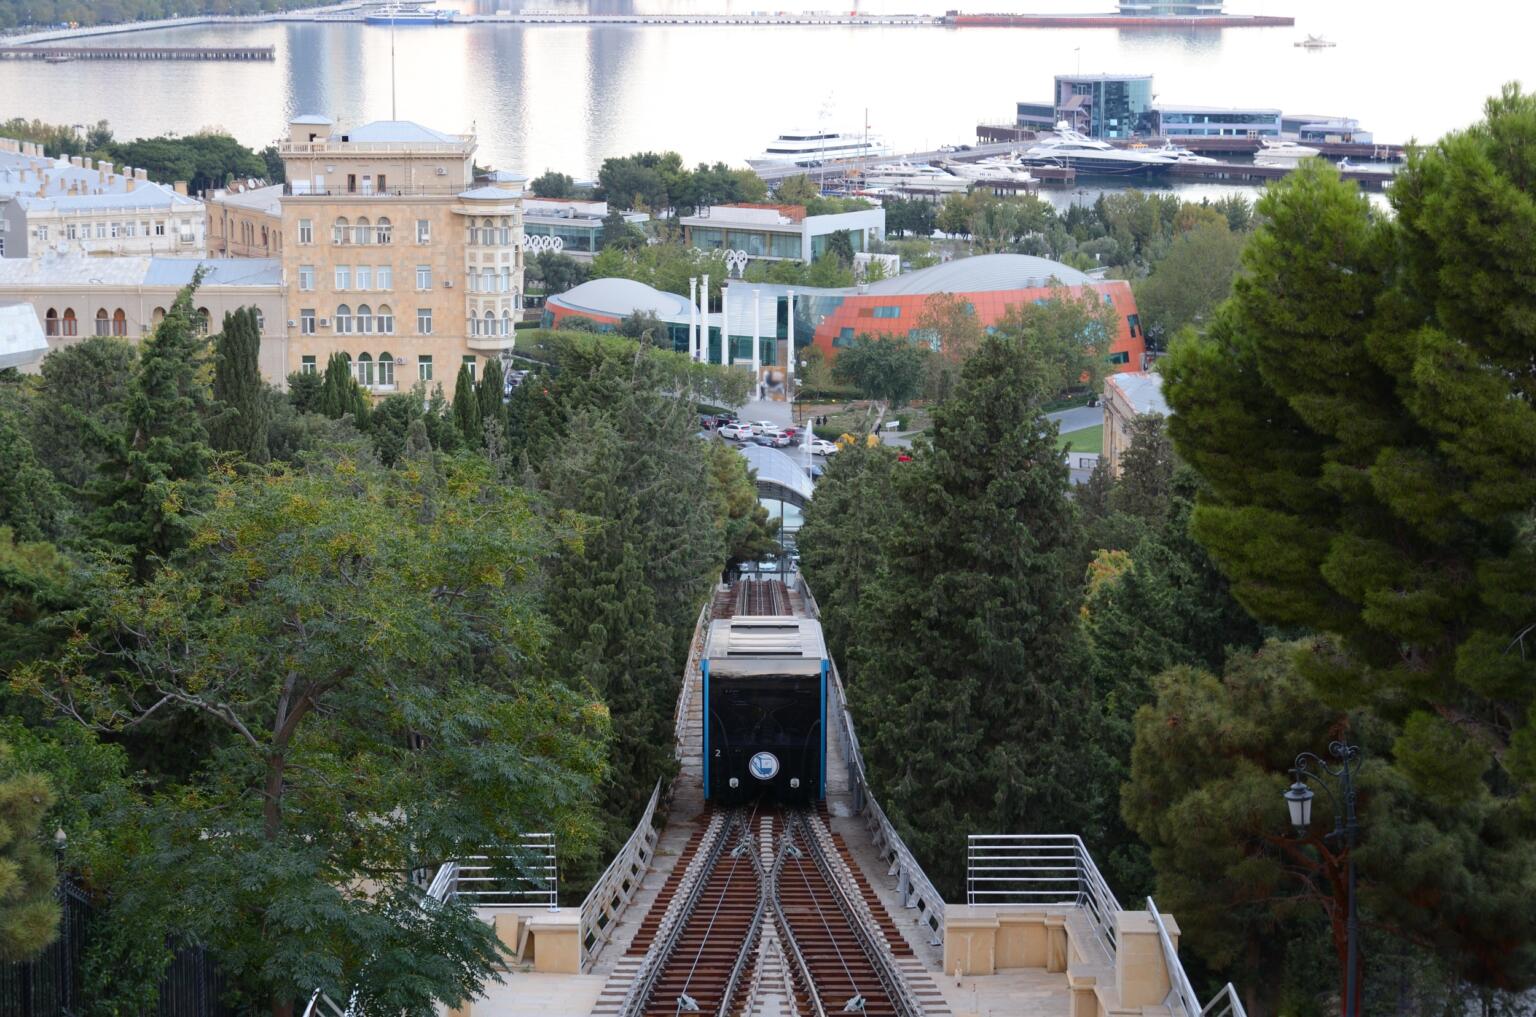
(856, 1001)
(685, 1002)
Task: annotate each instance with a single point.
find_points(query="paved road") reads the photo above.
(1078, 417)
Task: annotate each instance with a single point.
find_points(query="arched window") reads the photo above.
(261, 320)
(341, 232)
(71, 326)
(506, 232)
(488, 326)
(487, 280)
(364, 369)
(119, 322)
(384, 321)
(158, 316)
(51, 322)
(344, 319)
(364, 319)
(201, 320)
(382, 231)
(506, 280)
(386, 369)
(506, 323)
(103, 323)
(362, 233)
(264, 236)
(487, 232)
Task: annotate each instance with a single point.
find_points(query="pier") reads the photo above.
(61, 54)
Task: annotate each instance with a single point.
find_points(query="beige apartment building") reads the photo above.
(394, 255)
(245, 222)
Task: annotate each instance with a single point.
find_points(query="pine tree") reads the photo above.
(30, 501)
(489, 393)
(241, 424)
(155, 476)
(29, 914)
(466, 408)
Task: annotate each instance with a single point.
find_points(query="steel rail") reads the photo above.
(673, 926)
(874, 946)
(743, 954)
(749, 942)
(787, 934)
(853, 983)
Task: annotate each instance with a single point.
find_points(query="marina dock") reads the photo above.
(61, 54)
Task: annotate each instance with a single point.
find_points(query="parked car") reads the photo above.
(721, 419)
(821, 447)
(780, 439)
(762, 439)
(707, 421)
(736, 432)
(759, 426)
(793, 432)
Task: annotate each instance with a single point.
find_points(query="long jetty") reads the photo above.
(60, 54)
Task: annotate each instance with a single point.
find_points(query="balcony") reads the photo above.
(302, 189)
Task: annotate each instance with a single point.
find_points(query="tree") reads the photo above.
(490, 394)
(619, 233)
(1361, 414)
(154, 476)
(645, 327)
(81, 400)
(304, 390)
(365, 640)
(840, 246)
(29, 914)
(340, 394)
(466, 408)
(1189, 281)
(551, 184)
(909, 215)
(796, 190)
(241, 425)
(557, 273)
(741, 517)
(31, 505)
(888, 369)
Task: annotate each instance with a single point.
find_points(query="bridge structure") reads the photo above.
(61, 54)
(771, 911)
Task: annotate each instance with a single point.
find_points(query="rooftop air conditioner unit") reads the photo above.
(325, 323)
(448, 283)
(292, 323)
(442, 171)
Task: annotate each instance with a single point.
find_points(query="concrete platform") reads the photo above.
(530, 994)
(1023, 993)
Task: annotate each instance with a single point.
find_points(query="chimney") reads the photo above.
(181, 187)
(140, 173)
(130, 182)
(105, 167)
(74, 161)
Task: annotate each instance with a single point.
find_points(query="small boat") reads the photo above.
(1282, 153)
(905, 177)
(403, 16)
(810, 149)
(1315, 42)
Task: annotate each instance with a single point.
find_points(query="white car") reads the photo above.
(821, 447)
(761, 426)
(736, 432)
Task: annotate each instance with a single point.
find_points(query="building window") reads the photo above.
(202, 319)
(131, 229)
(119, 322)
(423, 368)
(159, 227)
(364, 319)
(307, 321)
(261, 319)
(382, 231)
(343, 277)
(42, 233)
(423, 277)
(469, 362)
(386, 369)
(423, 231)
(1134, 321)
(384, 278)
(344, 319)
(489, 328)
(362, 233)
(103, 323)
(487, 280)
(51, 322)
(506, 323)
(306, 231)
(1120, 358)
(844, 338)
(307, 366)
(363, 369)
(101, 231)
(424, 320)
(71, 326)
(117, 230)
(384, 320)
(886, 311)
(506, 235)
(341, 231)
(364, 277)
(306, 277)
(71, 232)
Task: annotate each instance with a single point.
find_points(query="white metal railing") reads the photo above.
(1040, 870)
(1181, 995)
(614, 889)
(528, 875)
(695, 656)
(917, 892)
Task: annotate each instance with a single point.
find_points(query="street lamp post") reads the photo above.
(1298, 799)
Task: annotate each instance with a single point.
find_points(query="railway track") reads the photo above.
(761, 597)
(703, 953)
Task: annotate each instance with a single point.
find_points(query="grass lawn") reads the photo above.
(1089, 439)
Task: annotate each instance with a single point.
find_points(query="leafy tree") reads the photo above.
(1189, 281)
(620, 233)
(645, 327)
(796, 190)
(29, 915)
(666, 266)
(556, 273)
(205, 160)
(741, 517)
(1361, 414)
(826, 272)
(551, 184)
(390, 425)
(888, 369)
(82, 398)
(304, 390)
(647, 181)
(241, 426)
(909, 215)
(37, 586)
(365, 639)
(466, 408)
(840, 246)
(949, 325)
(155, 473)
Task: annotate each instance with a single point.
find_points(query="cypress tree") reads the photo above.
(336, 390)
(241, 426)
(155, 475)
(466, 408)
(492, 409)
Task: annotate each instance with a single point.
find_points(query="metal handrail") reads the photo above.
(695, 655)
(616, 887)
(1224, 1004)
(1026, 870)
(482, 882)
(1181, 993)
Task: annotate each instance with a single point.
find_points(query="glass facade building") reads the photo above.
(1210, 122)
(1106, 106)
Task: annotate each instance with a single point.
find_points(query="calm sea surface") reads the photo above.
(566, 97)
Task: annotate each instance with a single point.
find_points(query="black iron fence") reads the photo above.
(50, 984)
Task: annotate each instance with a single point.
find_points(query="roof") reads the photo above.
(1103, 77)
(147, 195)
(22, 342)
(261, 199)
(311, 118)
(504, 176)
(985, 273)
(775, 468)
(400, 130)
(492, 192)
(619, 297)
(1143, 391)
(74, 269)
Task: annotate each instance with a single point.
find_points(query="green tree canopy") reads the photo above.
(1189, 282)
(29, 915)
(241, 423)
(551, 184)
(890, 369)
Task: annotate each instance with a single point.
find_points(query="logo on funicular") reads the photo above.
(764, 766)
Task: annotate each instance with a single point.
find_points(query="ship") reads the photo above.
(402, 16)
(809, 149)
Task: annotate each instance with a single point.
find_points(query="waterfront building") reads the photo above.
(245, 222)
(1171, 8)
(578, 224)
(80, 205)
(1128, 395)
(833, 318)
(779, 232)
(1180, 121)
(72, 295)
(1306, 127)
(1036, 116)
(394, 254)
(1106, 106)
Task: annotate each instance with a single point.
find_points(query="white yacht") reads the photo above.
(816, 148)
(1066, 147)
(1282, 153)
(903, 176)
(996, 169)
